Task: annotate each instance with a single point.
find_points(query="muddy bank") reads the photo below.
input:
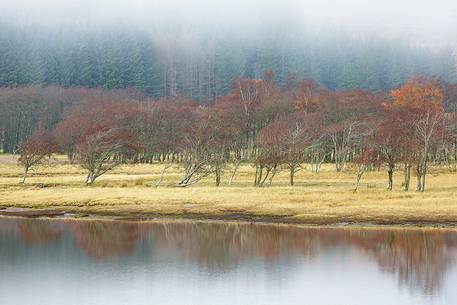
(229, 217)
(32, 213)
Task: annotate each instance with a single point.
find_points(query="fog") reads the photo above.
(423, 22)
(198, 47)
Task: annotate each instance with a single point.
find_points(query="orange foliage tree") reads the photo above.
(421, 102)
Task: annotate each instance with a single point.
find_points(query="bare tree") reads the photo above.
(345, 136)
(427, 128)
(196, 162)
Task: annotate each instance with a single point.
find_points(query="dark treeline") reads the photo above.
(203, 64)
(275, 128)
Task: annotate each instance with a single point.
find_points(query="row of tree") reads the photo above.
(273, 128)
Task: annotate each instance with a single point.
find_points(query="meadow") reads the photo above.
(320, 198)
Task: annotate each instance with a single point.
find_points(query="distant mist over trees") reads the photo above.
(203, 65)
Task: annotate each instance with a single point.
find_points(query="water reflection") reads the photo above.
(38, 232)
(104, 239)
(418, 259)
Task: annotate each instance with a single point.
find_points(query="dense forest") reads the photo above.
(203, 64)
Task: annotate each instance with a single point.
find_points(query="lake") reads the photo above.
(64, 261)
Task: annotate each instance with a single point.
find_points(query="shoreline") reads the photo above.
(33, 213)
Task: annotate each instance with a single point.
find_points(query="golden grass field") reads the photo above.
(323, 198)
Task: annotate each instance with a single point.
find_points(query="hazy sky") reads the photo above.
(426, 22)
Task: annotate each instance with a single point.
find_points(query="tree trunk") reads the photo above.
(339, 162)
(423, 182)
(337, 165)
(407, 177)
(26, 170)
(418, 184)
(454, 168)
(259, 176)
(273, 173)
(419, 175)
(390, 172)
(232, 176)
(218, 176)
(318, 166)
(162, 174)
(424, 173)
(265, 178)
(358, 177)
(90, 178)
(292, 174)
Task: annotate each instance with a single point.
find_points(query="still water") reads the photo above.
(58, 262)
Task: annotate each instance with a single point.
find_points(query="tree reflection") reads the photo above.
(103, 239)
(419, 258)
(221, 246)
(38, 232)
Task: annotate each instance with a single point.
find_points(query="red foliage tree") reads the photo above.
(35, 149)
(392, 140)
(286, 141)
(270, 152)
(100, 137)
(102, 149)
(367, 157)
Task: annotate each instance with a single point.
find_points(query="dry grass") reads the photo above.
(321, 198)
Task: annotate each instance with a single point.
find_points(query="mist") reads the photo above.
(425, 23)
(198, 48)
